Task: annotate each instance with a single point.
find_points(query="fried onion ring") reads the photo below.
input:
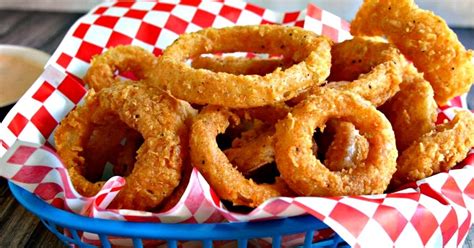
(226, 180)
(365, 66)
(374, 69)
(306, 175)
(178, 192)
(240, 65)
(413, 110)
(423, 38)
(101, 73)
(436, 151)
(310, 52)
(161, 120)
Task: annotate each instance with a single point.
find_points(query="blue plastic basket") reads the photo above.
(54, 218)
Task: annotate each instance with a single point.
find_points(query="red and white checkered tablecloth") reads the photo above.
(432, 212)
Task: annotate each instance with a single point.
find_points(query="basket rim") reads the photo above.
(167, 231)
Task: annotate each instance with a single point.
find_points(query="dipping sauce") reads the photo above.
(16, 76)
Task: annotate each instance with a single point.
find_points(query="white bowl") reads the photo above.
(19, 68)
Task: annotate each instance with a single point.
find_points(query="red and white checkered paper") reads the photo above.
(432, 212)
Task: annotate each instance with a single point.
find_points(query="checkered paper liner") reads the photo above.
(432, 212)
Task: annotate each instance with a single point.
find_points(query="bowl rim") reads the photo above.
(167, 231)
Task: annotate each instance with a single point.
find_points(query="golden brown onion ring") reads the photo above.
(178, 192)
(102, 72)
(269, 114)
(310, 52)
(306, 175)
(226, 180)
(423, 38)
(365, 66)
(160, 118)
(370, 68)
(413, 110)
(436, 151)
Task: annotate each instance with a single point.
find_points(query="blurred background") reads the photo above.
(457, 12)
(56, 16)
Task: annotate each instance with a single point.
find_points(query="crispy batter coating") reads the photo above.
(102, 72)
(413, 110)
(71, 137)
(269, 114)
(178, 192)
(226, 180)
(436, 151)
(368, 67)
(240, 65)
(348, 148)
(309, 52)
(306, 175)
(160, 118)
(423, 38)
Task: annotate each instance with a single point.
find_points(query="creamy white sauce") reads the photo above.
(16, 76)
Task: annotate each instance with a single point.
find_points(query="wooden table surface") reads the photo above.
(44, 31)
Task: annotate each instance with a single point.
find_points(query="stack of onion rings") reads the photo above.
(412, 111)
(148, 136)
(436, 151)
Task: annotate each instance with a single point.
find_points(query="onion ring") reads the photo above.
(269, 114)
(101, 73)
(413, 110)
(200, 86)
(306, 175)
(365, 66)
(226, 180)
(374, 68)
(423, 38)
(160, 118)
(240, 65)
(178, 192)
(436, 151)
